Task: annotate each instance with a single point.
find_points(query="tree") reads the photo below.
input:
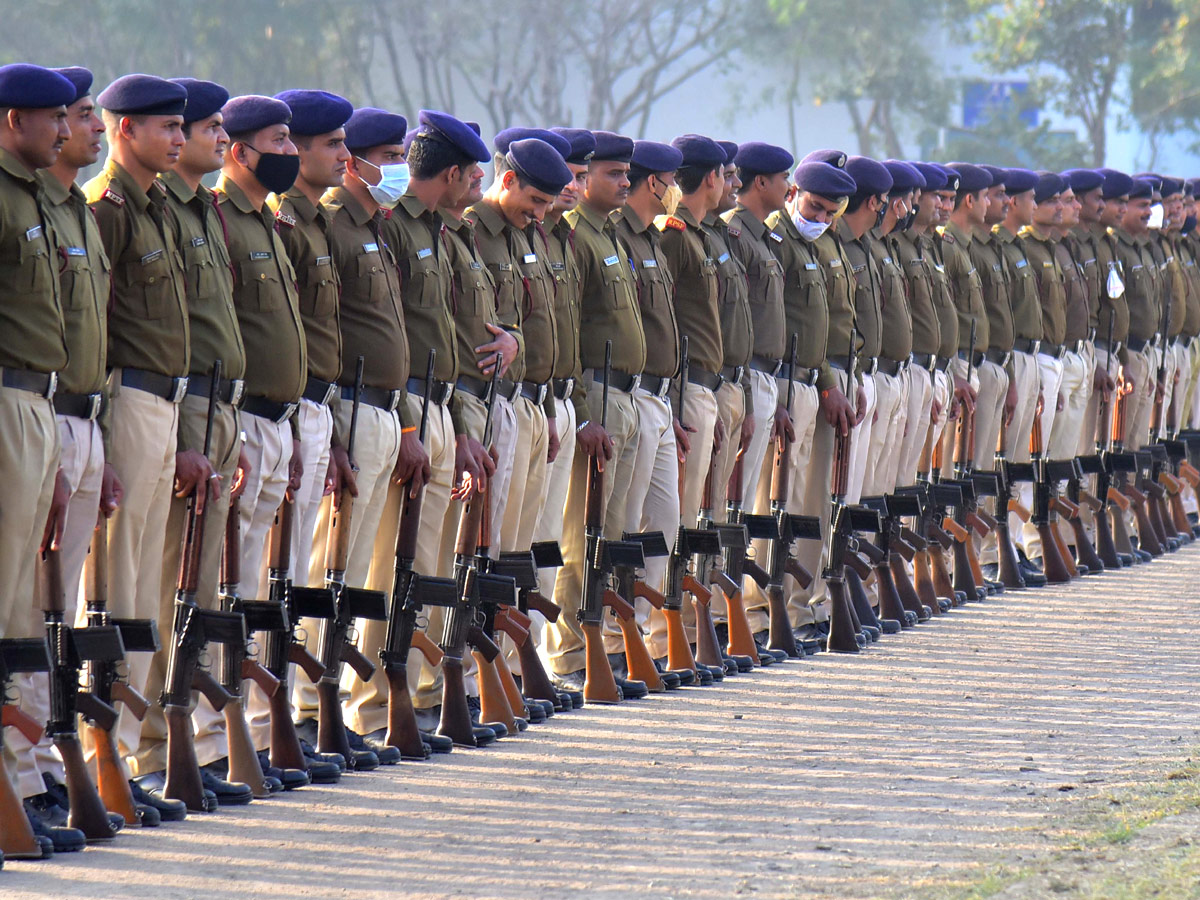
(1165, 72)
(1075, 50)
(871, 57)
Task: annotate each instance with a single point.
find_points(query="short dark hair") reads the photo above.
(857, 200)
(427, 157)
(689, 178)
(303, 141)
(637, 176)
(962, 195)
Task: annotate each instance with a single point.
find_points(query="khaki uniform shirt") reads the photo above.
(655, 290)
(414, 236)
(303, 228)
(83, 279)
(839, 291)
(1078, 305)
(264, 294)
(868, 311)
(1051, 284)
(1174, 282)
(806, 309)
(897, 317)
(1082, 245)
(1109, 267)
(755, 244)
(1191, 271)
(560, 246)
(1141, 295)
(965, 286)
(733, 299)
(208, 279)
(697, 291)
(943, 295)
(911, 258)
(1023, 292)
(987, 254)
(369, 305)
(147, 318)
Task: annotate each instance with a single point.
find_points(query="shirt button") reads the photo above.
(152, 280)
(373, 269)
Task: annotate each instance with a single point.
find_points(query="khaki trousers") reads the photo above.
(1142, 368)
(768, 394)
(731, 410)
(1050, 374)
(920, 405)
(1024, 373)
(1075, 390)
(887, 434)
(550, 523)
(527, 489)
(860, 441)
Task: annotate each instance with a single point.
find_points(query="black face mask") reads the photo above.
(907, 221)
(880, 214)
(1189, 224)
(276, 171)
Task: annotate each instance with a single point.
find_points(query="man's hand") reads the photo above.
(412, 465)
(1103, 382)
(593, 440)
(1010, 402)
(861, 411)
(781, 425)
(935, 411)
(683, 443)
(112, 492)
(718, 435)
(244, 468)
(473, 466)
(295, 470)
(341, 475)
(57, 517)
(192, 470)
(552, 442)
(504, 343)
(837, 410)
(963, 393)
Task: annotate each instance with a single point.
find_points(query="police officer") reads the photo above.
(33, 131)
(1142, 299)
(1078, 353)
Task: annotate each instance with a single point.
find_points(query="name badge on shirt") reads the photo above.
(1135, 268)
(1046, 264)
(32, 234)
(425, 253)
(322, 260)
(649, 263)
(918, 261)
(773, 236)
(1020, 264)
(505, 267)
(75, 251)
(941, 269)
(260, 254)
(811, 267)
(475, 266)
(995, 267)
(529, 258)
(198, 242)
(557, 267)
(834, 263)
(888, 260)
(724, 257)
(151, 257)
(611, 260)
(371, 248)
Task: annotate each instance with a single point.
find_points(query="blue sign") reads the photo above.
(983, 100)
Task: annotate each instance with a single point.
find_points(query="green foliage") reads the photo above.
(1005, 140)
(1165, 72)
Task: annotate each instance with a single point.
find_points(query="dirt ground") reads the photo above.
(1037, 744)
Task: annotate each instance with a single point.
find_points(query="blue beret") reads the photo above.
(612, 147)
(871, 176)
(651, 156)
(731, 151)
(1017, 181)
(1154, 178)
(971, 178)
(905, 177)
(26, 86)
(763, 159)
(474, 126)
(444, 128)
(824, 179)
(254, 112)
(510, 136)
(1083, 180)
(80, 77)
(540, 164)
(1048, 185)
(1116, 184)
(144, 95)
(372, 127)
(699, 152)
(316, 112)
(583, 144)
(1171, 186)
(835, 158)
(1141, 187)
(998, 174)
(935, 176)
(1193, 187)
(204, 98)
(953, 179)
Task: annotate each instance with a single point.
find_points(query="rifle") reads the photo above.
(192, 629)
(410, 593)
(1077, 493)
(599, 684)
(679, 651)
(461, 626)
(709, 568)
(237, 663)
(281, 647)
(737, 563)
(844, 629)
(1094, 465)
(350, 603)
(68, 648)
(899, 605)
(622, 560)
(535, 683)
(1120, 467)
(18, 655)
(105, 683)
(495, 593)
(1173, 481)
(931, 579)
(1054, 567)
(1152, 492)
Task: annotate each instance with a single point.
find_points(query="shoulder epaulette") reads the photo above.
(676, 223)
(113, 197)
(284, 219)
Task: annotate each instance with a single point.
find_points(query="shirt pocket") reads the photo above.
(319, 291)
(423, 288)
(473, 293)
(29, 269)
(200, 270)
(151, 285)
(812, 287)
(371, 277)
(654, 290)
(78, 284)
(616, 281)
(261, 289)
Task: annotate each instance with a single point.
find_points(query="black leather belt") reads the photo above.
(839, 362)
(1054, 350)
(766, 364)
(320, 392)
(535, 392)
(79, 406)
(1079, 345)
(733, 374)
(1026, 345)
(1183, 340)
(508, 389)
(618, 381)
(271, 410)
(1091, 335)
(441, 393)
(699, 377)
(379, 398)
(230, 390)
(892, 367)
(979, 357)
(926, 361)
(1102, 344)
(562, 387)
(164, 386)
(474, 386)
(28, 380)
(656, 385)
(943, 362)
(998, 357)
(868, 365)
(1137, 345)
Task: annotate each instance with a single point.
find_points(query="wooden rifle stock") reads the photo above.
(17, 840)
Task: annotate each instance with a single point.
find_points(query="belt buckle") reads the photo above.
(393, 400)
(447, 393)
(739, 372)
(543, 390)
(516, 392)
(813, 375)
(95, 401)
(51, 385)
(570, 384)
(330, 392)
(874, 367)
(1037, 345)
(237, 391)
(289, 410)
(637, 380)
(179, 389)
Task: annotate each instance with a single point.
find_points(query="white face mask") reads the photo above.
(810, 231)
(393, 182)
